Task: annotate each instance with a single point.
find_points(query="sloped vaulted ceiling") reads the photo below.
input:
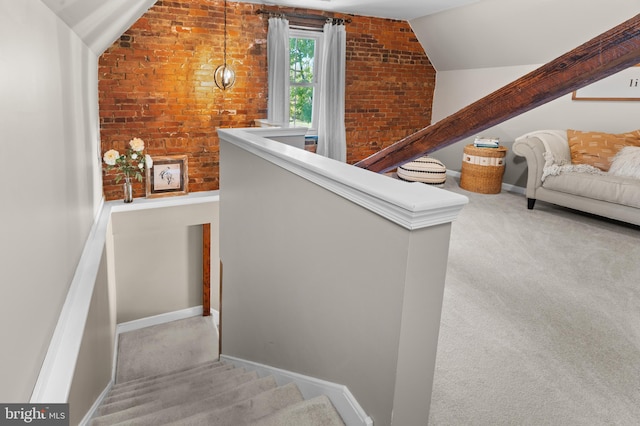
(99, 22)
(501, 33)
(483, 34)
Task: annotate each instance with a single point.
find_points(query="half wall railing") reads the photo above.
(333, 272)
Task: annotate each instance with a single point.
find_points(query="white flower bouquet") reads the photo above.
(131, 163)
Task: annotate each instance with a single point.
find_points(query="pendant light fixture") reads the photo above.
(224, 76)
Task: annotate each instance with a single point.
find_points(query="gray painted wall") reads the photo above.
(158, 272)
(49, 151)
(333, 290)
(157, 255)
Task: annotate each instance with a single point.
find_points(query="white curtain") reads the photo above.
(278, 64)
(332, 140)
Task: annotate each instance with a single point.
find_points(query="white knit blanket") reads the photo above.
(557, 155)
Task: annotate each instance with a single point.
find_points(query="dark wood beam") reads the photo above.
(610, 52)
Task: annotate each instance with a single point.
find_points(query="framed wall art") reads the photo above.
(621, 86)
(168, 176)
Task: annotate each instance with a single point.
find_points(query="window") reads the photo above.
(304, 55)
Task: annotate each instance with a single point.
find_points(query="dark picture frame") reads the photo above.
(168, 176)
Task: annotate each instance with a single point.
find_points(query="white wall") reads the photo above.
(483, 46)
(457, 89)
(500, 33)
(51, 180)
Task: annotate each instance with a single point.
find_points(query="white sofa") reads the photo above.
(554, 179)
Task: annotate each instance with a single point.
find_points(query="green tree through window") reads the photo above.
(302, 74)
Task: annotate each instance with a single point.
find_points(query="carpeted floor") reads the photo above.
(541, 318)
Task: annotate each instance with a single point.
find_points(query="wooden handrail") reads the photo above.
(604, 55)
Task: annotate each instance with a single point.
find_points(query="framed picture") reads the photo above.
(622, 86)
(168, 176)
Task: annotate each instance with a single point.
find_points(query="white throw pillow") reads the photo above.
(626, 162)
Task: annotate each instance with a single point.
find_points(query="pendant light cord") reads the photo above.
(224, 76)
(225, 34)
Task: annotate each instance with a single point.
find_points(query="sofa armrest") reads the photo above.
(532, 149)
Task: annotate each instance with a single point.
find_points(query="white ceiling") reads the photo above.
(99, 22)
(401, 9)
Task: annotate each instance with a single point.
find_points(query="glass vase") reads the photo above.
(128, 190)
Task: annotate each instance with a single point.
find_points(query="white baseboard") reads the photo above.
(344, 401)
(505, 186)
(164, 318)
(87, 417)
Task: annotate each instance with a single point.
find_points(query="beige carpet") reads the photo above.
(541, 318)
(166, 347)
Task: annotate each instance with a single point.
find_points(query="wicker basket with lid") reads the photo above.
(482, 169)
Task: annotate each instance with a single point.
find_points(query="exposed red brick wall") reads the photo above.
(156, 83)
(390, 84)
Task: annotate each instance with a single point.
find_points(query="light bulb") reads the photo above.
(224, 77)
(228, 76)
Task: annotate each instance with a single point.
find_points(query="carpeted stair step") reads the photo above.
(162, 382)
(131, 384)
(220, 373)
(181, 405)
(318, 411)
(169, 374)
(244, 412)
(177, 394)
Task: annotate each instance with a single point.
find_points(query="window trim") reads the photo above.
(317, 64)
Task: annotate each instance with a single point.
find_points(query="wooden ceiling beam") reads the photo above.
(606, 54)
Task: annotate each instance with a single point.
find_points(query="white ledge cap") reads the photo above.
(410, 205)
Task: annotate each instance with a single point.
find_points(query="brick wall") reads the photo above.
(156, 83)
(390, 84)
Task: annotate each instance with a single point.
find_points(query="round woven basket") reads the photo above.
(482, 169)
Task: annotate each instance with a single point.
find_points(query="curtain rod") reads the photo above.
(294, 15)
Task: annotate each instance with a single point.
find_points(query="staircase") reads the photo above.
(196, 391)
